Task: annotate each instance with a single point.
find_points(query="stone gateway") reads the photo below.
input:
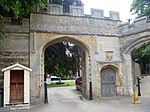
(107, 45)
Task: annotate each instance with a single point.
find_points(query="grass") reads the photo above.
(62, 84)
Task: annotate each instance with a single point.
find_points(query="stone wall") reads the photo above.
(137, 33)
(73, 25)
(15, 47)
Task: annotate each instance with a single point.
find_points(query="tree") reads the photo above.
(54, 56)
(146, 51)
(141, 7)
(76, 57)
(18, 8)
(63, 59)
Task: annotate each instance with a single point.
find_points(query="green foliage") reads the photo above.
(61, 59)
(19, 8)
(62, 84)
(141, 7)
(56, 59)
(146, 51)
(142, 52)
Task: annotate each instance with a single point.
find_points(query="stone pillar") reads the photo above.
(37, 77)
(114, 15)
(55, 9)
(95, 78)
(76, 10)
(127, 75)
(97, 13)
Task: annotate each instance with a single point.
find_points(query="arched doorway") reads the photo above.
(37, 62)
(84, 57)
(108, 82)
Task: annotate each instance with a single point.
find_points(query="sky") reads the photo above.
(121, 6)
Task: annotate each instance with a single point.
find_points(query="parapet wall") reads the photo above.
(78, 11)
(73, 25)
(139, 25)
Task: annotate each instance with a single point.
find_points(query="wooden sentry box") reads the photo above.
(16, 85)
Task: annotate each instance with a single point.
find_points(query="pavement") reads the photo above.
(67, 99)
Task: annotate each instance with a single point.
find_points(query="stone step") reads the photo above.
(15, 107)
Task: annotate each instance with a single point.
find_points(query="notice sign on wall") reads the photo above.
(48, 79)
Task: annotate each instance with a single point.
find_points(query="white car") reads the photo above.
(54, 78)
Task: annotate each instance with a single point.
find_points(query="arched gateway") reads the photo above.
(132, 40)
(88, 33)
(128, 64)
(84, 57)
(42, 41)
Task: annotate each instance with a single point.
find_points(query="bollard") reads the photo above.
(136, 100)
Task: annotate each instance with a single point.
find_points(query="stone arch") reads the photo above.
(128, 65)
(141, 42)
(40, 42)
(85, 57)
(72, 39)
(111, 65)
(117, 70)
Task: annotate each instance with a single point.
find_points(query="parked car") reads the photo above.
(78, 84)
(55, 78)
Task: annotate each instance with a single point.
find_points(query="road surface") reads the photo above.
(67, 99)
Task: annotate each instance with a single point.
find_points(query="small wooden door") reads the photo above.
(16, 86)
(108, 79)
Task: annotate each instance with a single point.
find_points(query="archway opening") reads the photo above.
(142, 57)
(65, 59)
(108, 82)
(141, 69)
